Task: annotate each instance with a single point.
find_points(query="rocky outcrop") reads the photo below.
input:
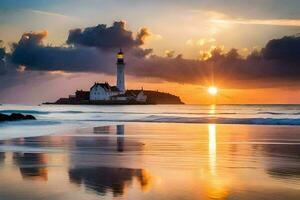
(153, 97)
(15, 117)
(156, 97)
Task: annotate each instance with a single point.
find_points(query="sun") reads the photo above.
(212, 90)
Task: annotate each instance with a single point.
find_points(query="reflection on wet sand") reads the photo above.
(105, 139)
(286, 173)
(102, 130)
(104, 179)
(154, 161)
(2, 157)
(120, 138)
(32, 165)
(289, 154)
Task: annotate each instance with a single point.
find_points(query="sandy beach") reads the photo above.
(154, 161)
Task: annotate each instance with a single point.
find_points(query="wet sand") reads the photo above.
(154, 161)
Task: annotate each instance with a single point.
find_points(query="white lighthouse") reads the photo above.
(120, 72)
(100, 92)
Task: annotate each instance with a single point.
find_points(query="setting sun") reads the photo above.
(212, 90)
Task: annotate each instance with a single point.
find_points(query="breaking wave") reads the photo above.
(279, 113)
(39, 112)
(108, 112)
(216, 120)
(32, 112)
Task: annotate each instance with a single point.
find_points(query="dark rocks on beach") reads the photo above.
(15, 117)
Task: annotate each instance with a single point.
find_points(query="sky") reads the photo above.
(250, 50)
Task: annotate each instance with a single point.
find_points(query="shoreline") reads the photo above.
(68, 128)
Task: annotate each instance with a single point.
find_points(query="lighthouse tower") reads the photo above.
(120, 71)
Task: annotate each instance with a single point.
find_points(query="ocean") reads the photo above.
(151, 152)
(57, 118)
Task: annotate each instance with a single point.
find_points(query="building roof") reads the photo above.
(82, 92)
(106, 87)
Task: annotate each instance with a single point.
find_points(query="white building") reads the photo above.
(141, 97)
(103, 91)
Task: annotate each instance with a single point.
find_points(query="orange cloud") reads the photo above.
(270, 22)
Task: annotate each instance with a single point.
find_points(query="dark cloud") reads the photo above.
(2, 58)
(2, 53)
(101, 36)
(31, 52)
(285, 49)
(2, 67)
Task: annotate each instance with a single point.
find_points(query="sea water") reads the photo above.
(57, 118)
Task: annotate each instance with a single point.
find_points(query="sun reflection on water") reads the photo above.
(216, 184)
(212, 147)
(212, 109)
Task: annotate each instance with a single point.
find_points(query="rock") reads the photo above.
(4, 117)
(30, 117)
(15, 117)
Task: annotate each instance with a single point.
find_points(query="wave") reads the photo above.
(70, 111)
(220, 120)
(109, 112)
(30, 123)
(25, 112)
(39, 112)
(208, 120)
(279, 113)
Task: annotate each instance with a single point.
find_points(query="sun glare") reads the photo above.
(212, 90)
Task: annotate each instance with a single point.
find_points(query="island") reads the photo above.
(130, 97)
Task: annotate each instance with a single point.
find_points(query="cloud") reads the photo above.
(286, 49)
(275, 65)
(2, 53)
(52, 14)
(200, 42)
(93, 50)
(101, 36)
(32, 53)
(2, 58)
(2, 67)
(142, 36)
(170, 53)
(269, 22)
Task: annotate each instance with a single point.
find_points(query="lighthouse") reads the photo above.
(120, 72)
